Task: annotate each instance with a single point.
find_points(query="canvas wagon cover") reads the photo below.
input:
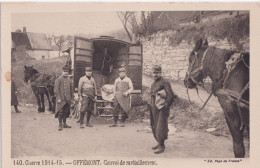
(84, 56)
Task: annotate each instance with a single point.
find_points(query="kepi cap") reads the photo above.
(122, 69)
(88, 68)
(157, 68)
(66, 68)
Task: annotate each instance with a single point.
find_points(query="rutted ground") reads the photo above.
(38, 135)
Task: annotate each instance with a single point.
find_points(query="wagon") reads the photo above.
(105, 55)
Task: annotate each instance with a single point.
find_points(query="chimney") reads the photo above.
(24, 29)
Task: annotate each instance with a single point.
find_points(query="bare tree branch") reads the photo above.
(58, 40)
(124, 22)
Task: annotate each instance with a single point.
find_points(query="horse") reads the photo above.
(41, 84)
(229, 72)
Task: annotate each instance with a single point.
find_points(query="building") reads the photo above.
(165, 20)
(210, 16)
(27, 45)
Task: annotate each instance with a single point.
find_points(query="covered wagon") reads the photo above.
(106, 55)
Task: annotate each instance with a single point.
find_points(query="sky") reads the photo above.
(94, 23)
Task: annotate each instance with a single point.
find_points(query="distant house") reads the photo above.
(207, 16)
(27, 45)
(169, 19)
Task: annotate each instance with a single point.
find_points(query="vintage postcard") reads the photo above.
(130, 84)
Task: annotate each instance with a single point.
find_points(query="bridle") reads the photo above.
(196, 70)
(220, 90)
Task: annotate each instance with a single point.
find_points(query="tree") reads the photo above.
(129, 21)
(57, 40)
(70, 39)
(137, 24)
(147, 24)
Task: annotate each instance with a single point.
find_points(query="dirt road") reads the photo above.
(36, 137)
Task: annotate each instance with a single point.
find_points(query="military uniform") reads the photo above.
(63, 90)
(122, 103)
(14, 101)
(159, 117)
(87, 90)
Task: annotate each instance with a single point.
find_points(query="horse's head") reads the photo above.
(195, 73)
(29, 72)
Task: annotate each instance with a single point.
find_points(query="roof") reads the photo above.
(175, 17)
(204, 14)
(39, 41)
(107, 38)
(19, 39)
(171, 16)
(33, 41)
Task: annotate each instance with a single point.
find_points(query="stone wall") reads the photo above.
(174, 59)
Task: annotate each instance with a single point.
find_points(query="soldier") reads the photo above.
(63, 90)
(160, 88)
(122, 89)
(87, 91)
(14, 101)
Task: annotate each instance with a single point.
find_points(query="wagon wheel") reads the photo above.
(76, 110)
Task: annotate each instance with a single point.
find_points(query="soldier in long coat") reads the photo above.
(123, 87)
(63, 90)
(159, 115)
(87, 91)
(14, 101)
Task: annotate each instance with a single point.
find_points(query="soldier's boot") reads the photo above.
(60, 122)
(162, 144)
(88, 124)
(160, 148)
(50, 106)
(43, 109)
(16, 109)
(53, 105)
(123, 121)
(155, 147)
(65, 124)
(115, 122)
(81, 119)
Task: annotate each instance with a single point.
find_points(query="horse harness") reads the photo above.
(221, 90)
(234, 96)
(37, 81)
(230, 66)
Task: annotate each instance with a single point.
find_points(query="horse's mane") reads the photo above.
(40, 79)
(34, 71)
(215, 62)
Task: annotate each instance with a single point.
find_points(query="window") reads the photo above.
(43, 57)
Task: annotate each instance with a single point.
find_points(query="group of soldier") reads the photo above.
(87, 92)
(161, 99)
